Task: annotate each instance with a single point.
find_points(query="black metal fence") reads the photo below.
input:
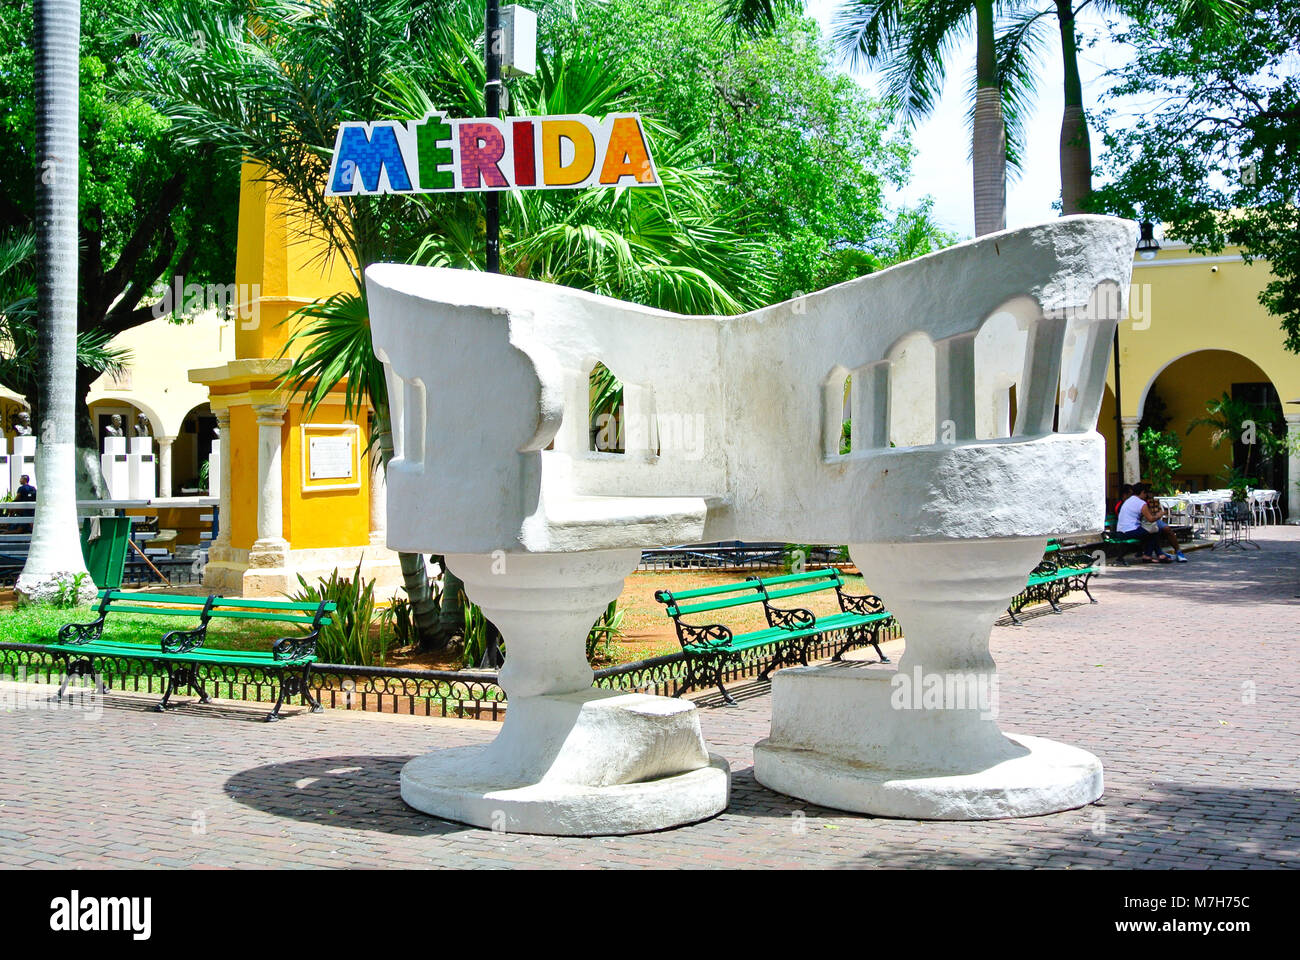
(431, 693)
(739, 555)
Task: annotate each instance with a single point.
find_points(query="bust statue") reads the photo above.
(114, 428)
(23, 424)
(141, 425)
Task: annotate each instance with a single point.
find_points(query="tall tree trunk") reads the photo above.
(1076, 151)
(415, 574)
(989, 147)
(55, 559)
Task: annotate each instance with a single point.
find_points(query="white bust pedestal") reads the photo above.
(142, 477)
(6, 481)
(23, 460)
(114, 463)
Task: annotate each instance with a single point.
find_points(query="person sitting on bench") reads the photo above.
(1164, 531)
(1125, 491)
(1135, 520)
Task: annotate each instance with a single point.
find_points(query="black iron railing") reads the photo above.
(433, 693)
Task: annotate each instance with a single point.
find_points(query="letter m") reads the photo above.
(360, 157)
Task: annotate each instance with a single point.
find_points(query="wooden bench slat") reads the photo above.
(828, 574)
(800, 591)
(254, 615)
(755, 597)
(254, 603)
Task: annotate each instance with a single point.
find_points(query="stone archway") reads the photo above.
(1175, 397)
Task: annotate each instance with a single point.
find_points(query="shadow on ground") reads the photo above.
(353, 792)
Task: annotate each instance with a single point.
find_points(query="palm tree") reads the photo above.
(54, 559)
(1241, 422)
(910, 38)
(1022, 38)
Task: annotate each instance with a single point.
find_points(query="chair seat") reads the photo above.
(758, 638)
(144, 651)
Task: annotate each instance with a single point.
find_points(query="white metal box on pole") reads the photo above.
(518, 41)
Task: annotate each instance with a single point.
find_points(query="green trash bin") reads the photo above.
(106, 554)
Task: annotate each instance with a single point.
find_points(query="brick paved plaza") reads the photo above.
(1184, 680)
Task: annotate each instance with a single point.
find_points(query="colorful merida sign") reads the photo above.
(442, 155)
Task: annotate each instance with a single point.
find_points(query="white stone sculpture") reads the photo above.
(732, 431)
(22, 462)
(115, 465)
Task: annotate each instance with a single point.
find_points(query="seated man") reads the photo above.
(1136, 521)
(26, 493)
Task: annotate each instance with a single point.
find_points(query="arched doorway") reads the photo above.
(1176, 397)
(190, 451)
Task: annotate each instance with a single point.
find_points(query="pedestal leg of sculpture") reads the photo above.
(922, 740)
(570, 759)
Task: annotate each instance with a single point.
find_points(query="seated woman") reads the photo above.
(1164, 531)
(1137, 521)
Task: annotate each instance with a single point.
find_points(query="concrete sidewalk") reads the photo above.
(1184, 679)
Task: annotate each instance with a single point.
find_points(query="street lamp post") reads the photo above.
(1147, 247)
(492, 98)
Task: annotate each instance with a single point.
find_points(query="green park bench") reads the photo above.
(181, 652)
(790, 631)
(1055, 576)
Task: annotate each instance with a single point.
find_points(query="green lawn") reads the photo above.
(40, 624)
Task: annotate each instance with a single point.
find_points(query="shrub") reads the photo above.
(346, 639)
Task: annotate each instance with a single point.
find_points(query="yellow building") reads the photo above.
(1199, 331)
(299, 495)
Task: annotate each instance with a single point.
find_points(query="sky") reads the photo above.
(942, 167)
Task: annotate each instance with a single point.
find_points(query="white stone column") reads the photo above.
(922, 740)
(1293, 467)
(165, 466)
(1132, 460)
(378, 499)
(270, 492)
(223, 446)
(570, 759)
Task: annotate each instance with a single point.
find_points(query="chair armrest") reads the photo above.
(1045, 568)
(183, 641)
(709, 635)
(78, 633)
(864, 604)
(295, 648)
(795, 619)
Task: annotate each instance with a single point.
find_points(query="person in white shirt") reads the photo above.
(1134, 514)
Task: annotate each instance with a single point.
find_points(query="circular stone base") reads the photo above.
(460, 784)
(1050, 778)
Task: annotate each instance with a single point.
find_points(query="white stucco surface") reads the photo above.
(733, 430)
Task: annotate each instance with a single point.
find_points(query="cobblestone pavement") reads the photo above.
(1183, 679)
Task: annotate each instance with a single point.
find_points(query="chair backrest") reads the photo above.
(797, 584)
(288, 611)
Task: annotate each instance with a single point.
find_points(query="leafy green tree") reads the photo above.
(19, 337)
(150, 208)
(1217, 159)
(804, 152)
(270, 82)
(1246, 425)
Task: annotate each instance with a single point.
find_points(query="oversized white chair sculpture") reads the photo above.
(733, 429)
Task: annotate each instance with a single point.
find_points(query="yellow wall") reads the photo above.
(1196, 307)
(323, 518)
(1185, 386)
(243, 476)
(277, 266)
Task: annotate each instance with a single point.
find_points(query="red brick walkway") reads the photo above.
(1184, 680)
